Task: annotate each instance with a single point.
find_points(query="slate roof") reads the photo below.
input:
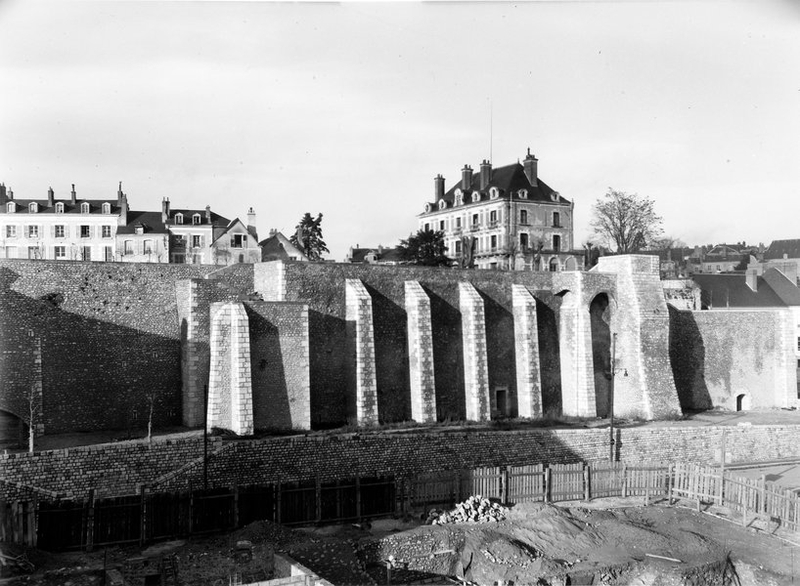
(150, 220)
(776, 250)
(278, 247)
(723, 291)
(216, 219)
(95, 206)
(508, 180)
(394, 255)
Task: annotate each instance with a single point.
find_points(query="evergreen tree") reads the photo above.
(426, 247)
(308, 237)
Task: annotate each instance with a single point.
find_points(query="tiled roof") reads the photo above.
(278, 247)
(508, 179)
(150, 220)
(385, 255)
(776, 250)
(731, 291)
(95, 206)
(216, 219)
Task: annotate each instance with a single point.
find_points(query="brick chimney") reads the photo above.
(3, 195)
(120, 195)
(466, 177)
(486, 174)
(164, 210)
(531, 164)
(438, 183)
(208, 214)
(122, 202)
(50, 198)
(251, 223)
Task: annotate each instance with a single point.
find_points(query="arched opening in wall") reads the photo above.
(11, 430)
(571, 264)
(553, 266)
(600, 318)
(742, 402)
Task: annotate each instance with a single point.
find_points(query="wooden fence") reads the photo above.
(56, 525)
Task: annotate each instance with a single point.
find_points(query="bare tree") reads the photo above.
(151, 402)
(33, 413)
(625, 221)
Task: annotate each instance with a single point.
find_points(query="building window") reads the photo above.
(475, 220)
(33, 207)
(494, 193)
(237, 241)
(108, 254)
(11, 252)
(494, 242)
(196, 219)
(458, 247)
(128, 247)
(476, 197)
(178, 259)
(11, 207)
(106, 208)
(427, 227)
(11, 231)
(33, 252)
(86, 253)
(33, 231)
(523, 216)
(86, 231)
(556, 220)
(197, 241)
(493, 218)
(59, 231)
(59, 208)
(459, 198)
(148, 247)
(84, 208)
(106, 231)
(458, 222)
(523, 241)
(441, 225)
(798, 349)
(523, 193)
(556, 242)
(179, 218)
(442, 204)
(554, 265)
(197, 259)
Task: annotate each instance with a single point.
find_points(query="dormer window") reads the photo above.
(33, 207)
(554, 195)
(442, 204)
(106, 208)
(476, 196)
(59, 208)
(196, 219)
(11, 207)
(427, 207)
(459, 197)
(523, 194)
(84, 208)
(179, 218)
(494, 193)
(139, 229)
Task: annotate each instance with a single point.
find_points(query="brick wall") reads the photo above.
(109, 335)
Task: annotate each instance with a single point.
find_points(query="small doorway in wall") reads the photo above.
(742, 402)
(501, 401)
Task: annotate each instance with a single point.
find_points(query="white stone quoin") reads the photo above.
(476, 369)
(420, 353)
(230, 389)
(358, 310)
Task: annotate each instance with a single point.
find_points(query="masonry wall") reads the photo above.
(279, 365)
(719, 355)
(109, 334)
(173, 464)
(322, 286)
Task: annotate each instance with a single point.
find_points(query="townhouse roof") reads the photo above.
(509, 180)
(730, 290)
(216, 219)
(150, 221)
(95, 206)
(278, 247)
(386, 255)
(778, 248)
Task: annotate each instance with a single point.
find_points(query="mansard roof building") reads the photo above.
(107, 230)
(504, 217)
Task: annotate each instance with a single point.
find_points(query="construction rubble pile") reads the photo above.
(476, 509)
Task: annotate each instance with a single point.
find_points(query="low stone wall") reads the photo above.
(111, 469)
(173, 464)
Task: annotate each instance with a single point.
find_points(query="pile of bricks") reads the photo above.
(476, 509)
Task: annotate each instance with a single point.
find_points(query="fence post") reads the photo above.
(721, 487)
(191, 508)
(548, 477)
(358, 499)
(762, 508)
(142, 514)
(318, 497)
(33, 521)
(278, 491)
(504, 480)
(624, 481)
(235, 511)
(90, 522)
(587, 492)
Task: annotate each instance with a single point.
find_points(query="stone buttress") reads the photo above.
(361, 351)
(420, 353)
(476, 370)
(526, 340)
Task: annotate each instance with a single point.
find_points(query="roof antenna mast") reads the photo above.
(490, 130)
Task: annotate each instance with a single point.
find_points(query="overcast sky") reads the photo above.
(351, 109)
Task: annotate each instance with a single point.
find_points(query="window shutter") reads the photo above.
(52, 231)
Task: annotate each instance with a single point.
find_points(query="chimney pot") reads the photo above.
(438, 183)
(486, 174)
(530, 165)
(50, 197)
(466, 178)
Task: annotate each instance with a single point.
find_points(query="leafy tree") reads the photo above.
(626, 221)
(426, 247)
(308, 237)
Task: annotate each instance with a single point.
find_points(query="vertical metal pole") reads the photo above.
(611, 396)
